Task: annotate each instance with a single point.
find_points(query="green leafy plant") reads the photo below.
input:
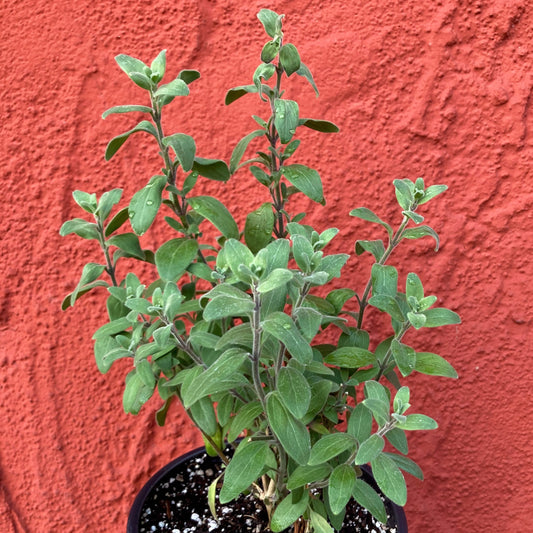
(233, 326)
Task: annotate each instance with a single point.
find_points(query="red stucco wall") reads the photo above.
(441, 89)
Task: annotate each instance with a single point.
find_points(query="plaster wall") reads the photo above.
(439, 89)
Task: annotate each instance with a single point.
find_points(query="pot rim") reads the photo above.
(136, 509)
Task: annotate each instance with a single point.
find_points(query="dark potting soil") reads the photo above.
(178, 504)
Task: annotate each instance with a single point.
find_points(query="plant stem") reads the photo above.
(256, 345)
(393, 242)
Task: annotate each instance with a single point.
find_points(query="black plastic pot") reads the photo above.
(134, 518)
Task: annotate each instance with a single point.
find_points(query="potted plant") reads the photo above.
(292, 395)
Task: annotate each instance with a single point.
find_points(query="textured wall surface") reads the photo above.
(440, 89)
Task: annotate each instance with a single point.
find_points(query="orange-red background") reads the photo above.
(440, 89)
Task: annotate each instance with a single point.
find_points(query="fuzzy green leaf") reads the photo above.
(368, 498)
(434, 365)
(331, 446)
(286, 119)
(173, 258)
(239, 150)
(289, 59)
(389, 479)
(214, 169)
(288, 511)
(145, 204)
(215, 211)
(184, 147)
(115, 143)
(340, 487)
(258, 227)
(292, 434)
(306, 180)
(323, 126)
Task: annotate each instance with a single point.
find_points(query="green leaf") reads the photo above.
(237, 254)
(235, 303)
(414, 287)
(258, 227)
(239, 150)
(244, 419)
(389, 479)
(288, 511)
(415, 217)
(211, 497)
(338, 297)
(176, 87)
(126, 109)
(130, 64)
(368, 498)
(330, 446)
(277, 278)
(340, 487)
(85, 200)
(90, 272)
(263, 72)
(244, 468)
(416, 422)
(291, 433)
(158, 66)
(366, 214)
(350, 357)
(434, 365)
(304, 474)
(184, 147)
(388, 305)
(173, 258)
(111, 328)
(269, 51)
(129, 243)
(217, 377)
(285, 119)
(261, 176)
(145, 204)
(404, 193)
(421, 231)
(106, 203)
(407, 465)
(384, 280)
(319, 523)
(71, 298)
(214, 169)
(417, 320)
(203, 415)
(189, 75)
(82, 228)
(360, 423)
(115, 143)
(237, 92)
(215, 211)
(306, 180)
(323, 126)
(282, 327)
(306, 73)
(141, 80)
(289, 59)
(398, 439)
(440, 316)
(369, 449)
(431, 192)
(404, 356)
(271, 21)
(117, 221)
(294, 391)
(136, 393)
(376, 248)
(379, 409)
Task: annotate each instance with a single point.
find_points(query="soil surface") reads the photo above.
(178, 504)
